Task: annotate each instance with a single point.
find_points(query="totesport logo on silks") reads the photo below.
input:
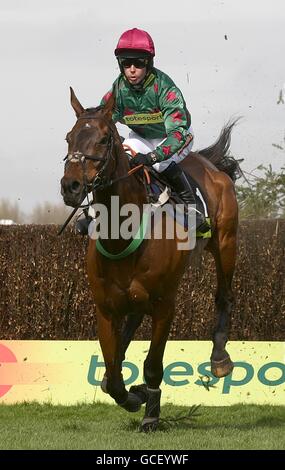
(70, 372)
(153, 118)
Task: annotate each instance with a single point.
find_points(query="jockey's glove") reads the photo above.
(144, 159)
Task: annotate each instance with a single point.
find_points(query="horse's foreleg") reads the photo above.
(110, 337)
(224, 251)
(129, 328)
(153, 366)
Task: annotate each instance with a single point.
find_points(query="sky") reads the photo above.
(226, 56)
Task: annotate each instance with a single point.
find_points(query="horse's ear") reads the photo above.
(109, 106)
(77, 106)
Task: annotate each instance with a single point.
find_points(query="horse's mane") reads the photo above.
(218, 153)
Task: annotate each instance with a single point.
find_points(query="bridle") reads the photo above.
(100, 181)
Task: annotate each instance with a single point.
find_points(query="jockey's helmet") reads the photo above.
(135, 43)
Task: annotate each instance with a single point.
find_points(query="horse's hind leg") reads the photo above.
(223, 248)
(153, 367)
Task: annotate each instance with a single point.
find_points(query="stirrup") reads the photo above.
(202, 224)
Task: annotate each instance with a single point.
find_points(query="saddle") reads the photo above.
(159, 193)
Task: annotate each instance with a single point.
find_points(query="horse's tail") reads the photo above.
(218, 153)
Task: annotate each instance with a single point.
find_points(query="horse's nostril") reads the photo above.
(75, 186)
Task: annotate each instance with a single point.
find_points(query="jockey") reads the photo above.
(152, 106)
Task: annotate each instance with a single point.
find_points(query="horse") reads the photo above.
(145, 282)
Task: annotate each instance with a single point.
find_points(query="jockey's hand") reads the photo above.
(143, 159)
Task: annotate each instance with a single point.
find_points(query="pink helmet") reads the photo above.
(135, 40)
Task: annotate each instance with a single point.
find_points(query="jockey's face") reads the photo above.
(134, 74)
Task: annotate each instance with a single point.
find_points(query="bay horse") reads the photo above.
(146, 281)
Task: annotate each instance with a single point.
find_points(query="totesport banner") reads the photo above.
(70, 372)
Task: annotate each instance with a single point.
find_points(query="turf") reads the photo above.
(105, 427)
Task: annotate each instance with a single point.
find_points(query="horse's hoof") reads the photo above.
(132, 403)
(104, 384)
(222, 368)
(140, 391)
(149, 424)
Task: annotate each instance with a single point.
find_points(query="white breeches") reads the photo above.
(141, 145)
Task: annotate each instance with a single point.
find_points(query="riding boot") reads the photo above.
(83, 224)
(178, 180)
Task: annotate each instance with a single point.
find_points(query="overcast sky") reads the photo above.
(48, 45)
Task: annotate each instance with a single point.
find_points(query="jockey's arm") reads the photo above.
(177, 121)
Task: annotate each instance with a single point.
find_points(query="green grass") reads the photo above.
(100, 426)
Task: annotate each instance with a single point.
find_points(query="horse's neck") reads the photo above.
(128, 190)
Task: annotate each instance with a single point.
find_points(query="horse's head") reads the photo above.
(90, 150)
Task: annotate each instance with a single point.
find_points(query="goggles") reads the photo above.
(136, 62)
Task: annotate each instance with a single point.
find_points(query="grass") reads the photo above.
(106, 427)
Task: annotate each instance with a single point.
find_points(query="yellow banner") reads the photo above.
(133, 119)
(70, 372)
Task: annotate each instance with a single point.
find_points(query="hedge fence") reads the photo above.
(45, 292)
